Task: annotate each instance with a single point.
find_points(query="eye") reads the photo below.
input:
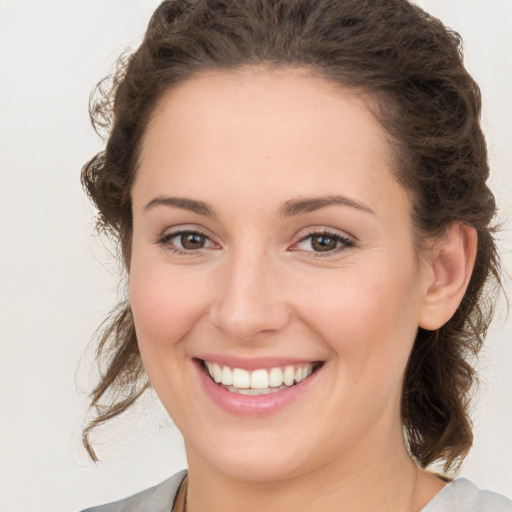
(323, 242)
(185, 241)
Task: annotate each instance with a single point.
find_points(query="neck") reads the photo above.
(369, 481)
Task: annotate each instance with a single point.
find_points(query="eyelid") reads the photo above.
(187, 228)
(347, 240)
(171, 232)
(318, 230)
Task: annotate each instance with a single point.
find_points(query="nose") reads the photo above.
(250, 301)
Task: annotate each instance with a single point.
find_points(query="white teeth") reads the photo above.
(215, 371)
(289, 375)
(241, 379)
(260, 381)
(255, 392)
(227, 376)
(275, 378)
(252, 392)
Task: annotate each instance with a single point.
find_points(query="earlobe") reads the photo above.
(450, 266)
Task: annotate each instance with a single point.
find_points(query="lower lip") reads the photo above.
(252, 405)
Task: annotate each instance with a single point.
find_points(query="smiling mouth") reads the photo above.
(259, 382)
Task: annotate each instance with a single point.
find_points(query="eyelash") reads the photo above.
(165, 239)
(345, 242)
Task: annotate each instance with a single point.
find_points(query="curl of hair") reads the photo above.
(410, 66)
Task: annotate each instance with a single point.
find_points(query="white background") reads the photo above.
(55, 287)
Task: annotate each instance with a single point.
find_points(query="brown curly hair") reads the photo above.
(411, 65)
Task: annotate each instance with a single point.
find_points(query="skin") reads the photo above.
(246, 143)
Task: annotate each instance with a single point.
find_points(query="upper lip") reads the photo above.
(254, 363)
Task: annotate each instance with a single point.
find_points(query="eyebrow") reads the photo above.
(289, 209)
(184, 203)
(310, 204)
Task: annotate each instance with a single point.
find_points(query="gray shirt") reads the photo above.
(461, 495)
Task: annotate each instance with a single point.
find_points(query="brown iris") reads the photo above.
(192, 241)
(322, 243)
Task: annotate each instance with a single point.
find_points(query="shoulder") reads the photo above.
(462, 495)
(159, 498)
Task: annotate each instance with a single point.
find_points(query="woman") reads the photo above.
(298, 190)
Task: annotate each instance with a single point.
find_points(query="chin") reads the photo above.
(260, 460)
(261, 470)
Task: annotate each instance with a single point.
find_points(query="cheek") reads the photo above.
(367, 315)
(165, 304)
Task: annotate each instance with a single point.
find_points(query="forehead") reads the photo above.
(285, 132)
(302, 104)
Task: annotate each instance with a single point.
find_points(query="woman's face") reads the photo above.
(269, 234)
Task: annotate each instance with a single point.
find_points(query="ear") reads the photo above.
(450, 265)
